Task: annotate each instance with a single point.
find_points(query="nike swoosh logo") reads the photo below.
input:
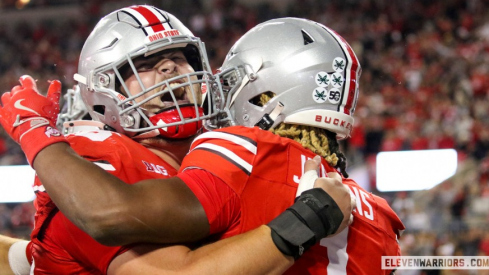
(21, 107)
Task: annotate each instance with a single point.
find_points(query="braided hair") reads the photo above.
(320, 141)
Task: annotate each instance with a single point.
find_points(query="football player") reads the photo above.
(141, 73)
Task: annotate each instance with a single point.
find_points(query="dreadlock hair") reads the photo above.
(320, 141)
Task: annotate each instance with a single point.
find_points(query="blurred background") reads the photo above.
(425, 85)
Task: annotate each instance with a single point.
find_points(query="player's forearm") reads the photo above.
(90, 197)
(251, 253)
(116, 213)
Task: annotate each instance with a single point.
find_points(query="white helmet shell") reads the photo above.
(312, 71)
(119, 38)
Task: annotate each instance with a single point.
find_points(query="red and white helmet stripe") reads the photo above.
(150, 19)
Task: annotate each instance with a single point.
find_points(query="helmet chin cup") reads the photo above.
(178, 131)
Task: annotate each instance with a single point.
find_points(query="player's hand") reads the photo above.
(25, 104)
(29, 117)
(323, 208)
(333, 186)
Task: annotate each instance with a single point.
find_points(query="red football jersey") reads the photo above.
(263, 170)
(57, 244)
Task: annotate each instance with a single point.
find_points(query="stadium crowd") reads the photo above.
(425, 85)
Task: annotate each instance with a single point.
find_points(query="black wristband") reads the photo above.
(313, 216)
(290, 234)
(326, 209)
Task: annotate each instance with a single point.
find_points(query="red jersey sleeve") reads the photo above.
(227, 155)
(220, 202)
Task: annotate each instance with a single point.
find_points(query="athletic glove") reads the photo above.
(30, 118)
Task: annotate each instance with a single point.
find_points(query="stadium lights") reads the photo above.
(414, 170)
(16, 183)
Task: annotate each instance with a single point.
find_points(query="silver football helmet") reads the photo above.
(74, 115)
(312, 71)
(73, 108)
(108, 56)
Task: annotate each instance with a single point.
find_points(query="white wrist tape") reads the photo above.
(307, 181)
(17, 258)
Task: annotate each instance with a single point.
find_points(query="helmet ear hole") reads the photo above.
(262, 99)
(99, 109)
(193, 57)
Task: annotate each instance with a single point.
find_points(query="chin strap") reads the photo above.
(70, 127)
(148, 134)
(266, 122)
